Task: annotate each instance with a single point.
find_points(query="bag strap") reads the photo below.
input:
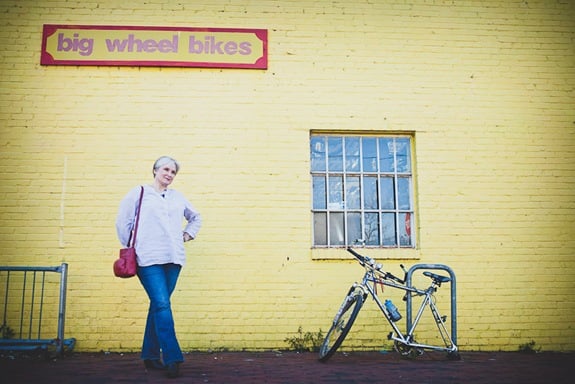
(137, 220)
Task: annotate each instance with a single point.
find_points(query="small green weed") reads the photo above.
(305, 342)
(529, 347)
(6, 332)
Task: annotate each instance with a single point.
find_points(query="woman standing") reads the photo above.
(161, 255)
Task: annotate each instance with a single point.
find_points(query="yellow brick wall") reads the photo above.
(485, 87)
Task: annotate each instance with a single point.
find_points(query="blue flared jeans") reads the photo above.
(160, 340)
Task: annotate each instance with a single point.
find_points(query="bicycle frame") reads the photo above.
(372, 277)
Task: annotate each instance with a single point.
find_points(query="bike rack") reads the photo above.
(453, 296)
(25, 300)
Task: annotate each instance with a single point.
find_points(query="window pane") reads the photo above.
(369, 154)
(387, 193)
(362, 188)
(370, 192)
(403, 155)
(319, 194)
(404, 194)
(317, 150)
(386, 156)
(371, 231)
(335, 192)
(404, 229)
(353, 227)
(320, 228)
(388, 225)
(352, 196)
(352, 154)
(336, 229)
(335, 154)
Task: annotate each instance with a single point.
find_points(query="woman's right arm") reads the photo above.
(126, 216)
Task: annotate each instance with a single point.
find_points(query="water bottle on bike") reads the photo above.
(392, 310)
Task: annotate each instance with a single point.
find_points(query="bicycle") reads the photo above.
(404, 343)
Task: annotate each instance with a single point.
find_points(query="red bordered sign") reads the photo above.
(154, 46)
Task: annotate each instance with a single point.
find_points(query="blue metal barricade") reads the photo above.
(26, 299)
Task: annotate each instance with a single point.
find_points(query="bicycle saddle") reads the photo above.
(438, 278)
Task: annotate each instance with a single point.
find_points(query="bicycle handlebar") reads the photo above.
(372, 264)
(357, 255)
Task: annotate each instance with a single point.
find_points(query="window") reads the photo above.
(362, 190)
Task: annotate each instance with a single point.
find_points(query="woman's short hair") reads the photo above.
(163, 161)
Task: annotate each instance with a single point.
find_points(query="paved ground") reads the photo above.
(297, 368)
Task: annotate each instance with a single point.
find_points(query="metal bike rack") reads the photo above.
(24, 298)
(453, 296)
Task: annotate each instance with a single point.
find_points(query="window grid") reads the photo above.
(333, 222)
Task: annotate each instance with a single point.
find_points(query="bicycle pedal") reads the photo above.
(390, 336)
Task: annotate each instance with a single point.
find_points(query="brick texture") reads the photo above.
(486, 88)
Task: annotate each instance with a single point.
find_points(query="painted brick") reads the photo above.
(485, 87)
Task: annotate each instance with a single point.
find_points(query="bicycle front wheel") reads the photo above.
(341, 324)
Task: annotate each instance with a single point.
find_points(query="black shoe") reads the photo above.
(154, 365)
(173, 370)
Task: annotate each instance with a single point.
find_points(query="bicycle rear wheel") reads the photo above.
(341, 324)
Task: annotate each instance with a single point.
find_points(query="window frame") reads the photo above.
(360, 176)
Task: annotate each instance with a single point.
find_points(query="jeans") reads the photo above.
(159, 281)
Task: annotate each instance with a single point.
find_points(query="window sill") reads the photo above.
(376, 253)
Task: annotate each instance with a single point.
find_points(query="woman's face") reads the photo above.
(165, 174)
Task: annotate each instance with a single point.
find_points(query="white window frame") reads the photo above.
(403, 233)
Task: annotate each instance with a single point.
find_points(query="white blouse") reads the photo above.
(161, 226)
